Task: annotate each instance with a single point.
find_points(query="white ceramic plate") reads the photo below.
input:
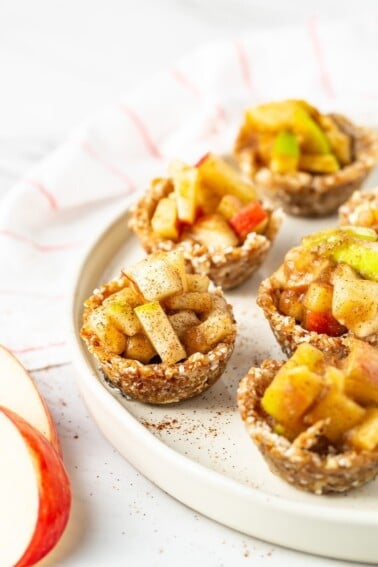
(198, 451)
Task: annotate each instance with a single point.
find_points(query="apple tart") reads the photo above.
(307, 162)
(159, 334)
(210, 213)
(325, 290)
(315, 421)
(361, 209)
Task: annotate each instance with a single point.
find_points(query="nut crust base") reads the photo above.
(347, 212)
(314, 195)
(156, 383)
(298, 463)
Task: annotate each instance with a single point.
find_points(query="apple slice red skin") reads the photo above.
(323, 323)
(54, 492)
(202, 160)
(54, 439)
(247, 219)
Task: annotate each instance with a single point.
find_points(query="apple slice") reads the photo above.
(35, 493)
(251, 218)
(19, 393)
(223, 179)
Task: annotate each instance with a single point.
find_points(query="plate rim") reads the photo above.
(272, 503)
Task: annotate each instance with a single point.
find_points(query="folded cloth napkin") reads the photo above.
(50, 216)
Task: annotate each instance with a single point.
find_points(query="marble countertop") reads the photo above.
(62, 61)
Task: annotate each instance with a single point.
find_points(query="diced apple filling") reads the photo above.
(330, 283)
(291, 135)
(158, 312)
(308, 390)
(210, 203)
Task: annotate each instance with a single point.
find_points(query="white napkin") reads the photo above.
(51, 215)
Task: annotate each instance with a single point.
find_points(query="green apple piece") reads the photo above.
(333, 236)
(285, 153)
(361, 256)
(289, 115)
(314, 141)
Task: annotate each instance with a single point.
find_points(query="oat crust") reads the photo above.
(156, 383)
(295, 462)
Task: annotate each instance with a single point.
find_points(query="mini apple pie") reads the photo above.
(157, 332)
(326, 290)
(361, 209)
(305, 161)
(212, 215)
(316, 421)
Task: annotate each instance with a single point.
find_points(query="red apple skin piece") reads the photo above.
(247, 219)
(201, 160)
(322, 323)
(15, 366)
(54, 492)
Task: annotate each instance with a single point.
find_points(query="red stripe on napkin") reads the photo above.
(143, 131)
(42, 189)
(27, 293)
(245, 67)
(324, 77)
(189, 85)
(36, 347)
(94, 154)
(41, 247)
(195, 91)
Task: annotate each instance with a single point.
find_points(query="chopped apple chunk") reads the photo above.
(291, 393)
(229, 205)
(139, 347)
(160, 332)
(197, 282)
(339, 412)
(213, 231)
(182, 321)
(223, 179)
(185, 181)
(110, 337)
(122, 315)
(361, 371)
(156, 277)
(365, 435)
(204, 336)
(194, 300)
(164, 219)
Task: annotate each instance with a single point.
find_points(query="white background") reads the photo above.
(61, 61)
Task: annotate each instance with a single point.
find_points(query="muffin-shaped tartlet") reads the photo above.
(316, 423)
(361, 209)
(307, 162)
(159, 334)
(210, 213)
(325, 290)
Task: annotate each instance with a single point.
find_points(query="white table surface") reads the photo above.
(60, 62)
